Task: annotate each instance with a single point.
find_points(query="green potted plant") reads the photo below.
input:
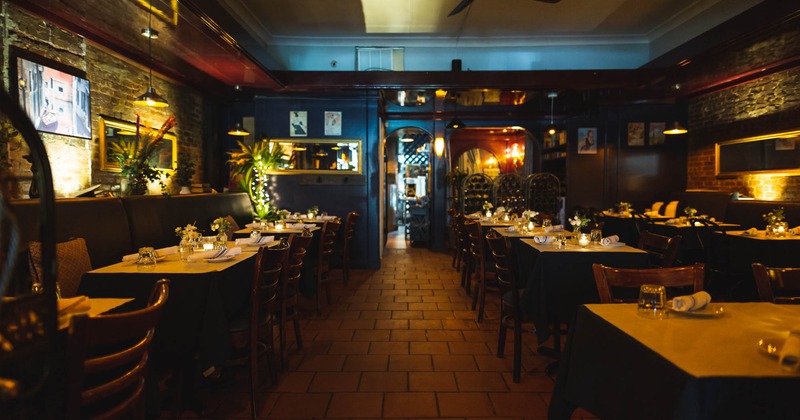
(184, 171)
(134, 157)
(251, 165)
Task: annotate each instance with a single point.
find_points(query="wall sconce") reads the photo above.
(438, 146)
(455, 124)
(676, 128)
(237, 130)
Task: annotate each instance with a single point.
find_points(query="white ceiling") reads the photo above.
(488, 35)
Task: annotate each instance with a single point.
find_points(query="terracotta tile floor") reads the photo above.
(398, 343)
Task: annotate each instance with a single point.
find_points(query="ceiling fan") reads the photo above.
(464, 3)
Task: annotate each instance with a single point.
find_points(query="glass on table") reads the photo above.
(595, 236)
(652, 301)
(547, 223)
(561, 239)
(147, 259)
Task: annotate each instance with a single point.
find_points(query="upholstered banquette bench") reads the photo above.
(114, 227)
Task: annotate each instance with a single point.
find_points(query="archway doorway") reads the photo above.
(408, 171)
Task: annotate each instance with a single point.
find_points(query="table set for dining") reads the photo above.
(718, 364)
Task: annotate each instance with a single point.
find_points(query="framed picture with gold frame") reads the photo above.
(115, 130)
(320, 156)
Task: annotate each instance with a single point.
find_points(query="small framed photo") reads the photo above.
(784, 144)
(298, 123)
(636, 134)
(657, 133)
(587, 142)
(333, 123)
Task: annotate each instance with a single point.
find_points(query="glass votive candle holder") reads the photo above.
(530, 226)
(583, 240)
(208, 242)
(596, 235)
(310, 215)
(488, 213)
(279, 225)
(505, 217)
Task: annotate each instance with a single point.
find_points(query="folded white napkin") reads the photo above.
(299, 225)
(609, 240)
(544, 239)
(161, 252)
(554, 228)
(511, 229)
(672, 221)
(789, 356)
(215, 253)
(795, 230)
(751, 231)
(327, 217)
(691, 302)
(74, 305)
(254, 241)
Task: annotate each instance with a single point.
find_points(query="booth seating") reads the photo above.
(114, 227)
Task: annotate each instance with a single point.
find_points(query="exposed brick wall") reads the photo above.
(114, 84)
(762, 106)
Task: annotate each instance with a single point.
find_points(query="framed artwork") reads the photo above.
(636, 134)
(333, 123)
(587, 142)
(657, 132)
(298, 123)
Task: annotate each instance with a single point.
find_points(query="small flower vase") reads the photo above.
(576, 233)
(222, 240)
(186, 248)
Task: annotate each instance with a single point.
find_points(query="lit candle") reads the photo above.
(310, 215)
(488, 213)
(278, 225)
(583, 241)
(530, 226)
(505, 217)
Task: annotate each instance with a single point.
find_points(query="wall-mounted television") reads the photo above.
(55, 96)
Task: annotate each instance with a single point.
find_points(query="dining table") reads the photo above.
(561, 279)
(709, 364)
(625, 226)
(203, 296)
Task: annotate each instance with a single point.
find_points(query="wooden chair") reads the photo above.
(478, 257)
(253, 335)
(510, 312)
(323, 267)
(777, 285)
(289, 295)
(73, 261)
(347, 244)
(107, 358)
(608, 279)
(451, 213)
(662, 250)
(462, 244)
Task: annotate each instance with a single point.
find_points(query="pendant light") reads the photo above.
(551, 129)
(238, 130)
(150, 97)
(676, 128)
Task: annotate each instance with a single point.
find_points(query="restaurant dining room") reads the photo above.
(400, 209)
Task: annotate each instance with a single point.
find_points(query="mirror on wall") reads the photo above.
(771, 153)
(319, 156)
(114, 130)
(479, 161)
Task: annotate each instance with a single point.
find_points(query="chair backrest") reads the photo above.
(265, 286)
(327, 240)
(713, 242)
(608, 279)
(293, 269)
(474, 233)
(106, 360)
(777, 285)
(349, 228)
(662, 250)
(73, 261)
(641, 221)
(503, 262)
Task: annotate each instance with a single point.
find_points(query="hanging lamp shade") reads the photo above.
(676, 128)
(406, 139)
(237, 130)
(151, 98)
(456, 123)
(552, 129)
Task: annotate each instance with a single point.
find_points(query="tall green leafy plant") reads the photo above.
(252, 164)
(134, 156)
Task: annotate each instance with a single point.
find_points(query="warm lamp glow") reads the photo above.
(237, 130)
(438, 146)
(676, 129)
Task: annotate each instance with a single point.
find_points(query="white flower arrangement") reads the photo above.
(529, 214)
(220, 224)
(500, 210)
(188, 232)
(577, 221)
(487, 206)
